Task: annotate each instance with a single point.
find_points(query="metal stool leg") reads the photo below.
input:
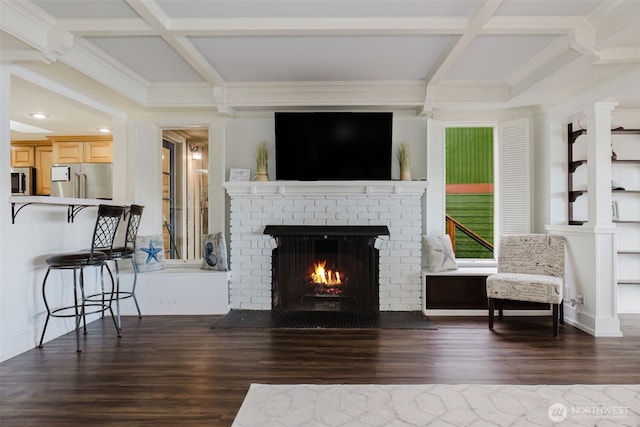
(75, 301)
(133, 288)
(46, 304)
(84, 311)
(113, 285)
(117, 295)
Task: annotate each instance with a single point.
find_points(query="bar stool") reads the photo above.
(121, 253)
(104, 234)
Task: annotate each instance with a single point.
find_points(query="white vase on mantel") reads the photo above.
(405, 175)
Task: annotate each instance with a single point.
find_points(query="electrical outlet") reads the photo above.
(580, 299)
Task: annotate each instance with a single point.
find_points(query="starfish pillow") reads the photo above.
(149, 253)
(440, 253)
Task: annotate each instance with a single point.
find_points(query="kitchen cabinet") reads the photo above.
(35, 154)
(82, 149)
(22, 155)
(43, 161)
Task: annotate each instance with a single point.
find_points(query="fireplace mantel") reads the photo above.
(308, 188)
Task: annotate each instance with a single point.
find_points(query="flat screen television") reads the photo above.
(333, 146)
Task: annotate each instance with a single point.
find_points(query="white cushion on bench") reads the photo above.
(525, 287)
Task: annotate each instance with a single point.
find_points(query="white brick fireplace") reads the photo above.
(396, 204)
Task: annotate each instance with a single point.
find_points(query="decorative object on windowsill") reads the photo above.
(440, 255)
(214, 252)
(262, 159)
(404, 155)
(149, 254)
(614, 156)
(615, 214)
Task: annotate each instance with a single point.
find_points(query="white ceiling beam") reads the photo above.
(324, 94)
(20, 55)
(615, 20)
(532, 24)
(155, 17)
(84, 57)
(274, 26)
(485, 12)
(107, 27)
(541, 69)
(618, 55)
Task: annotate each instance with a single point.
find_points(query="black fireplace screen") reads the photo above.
(325, 268)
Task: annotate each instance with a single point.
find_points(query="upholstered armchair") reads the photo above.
(530, 268)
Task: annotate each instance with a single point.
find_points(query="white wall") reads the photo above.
(243, 134)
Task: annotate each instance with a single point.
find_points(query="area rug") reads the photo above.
(440, 405)
(324, 319)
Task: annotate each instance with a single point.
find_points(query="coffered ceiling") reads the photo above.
(234, 55)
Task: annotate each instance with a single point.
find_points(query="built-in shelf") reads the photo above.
(629, 251)
(629, 282)
(626, 221)
(629, 161)
(573, 195)
(575, 164)
(626, 191)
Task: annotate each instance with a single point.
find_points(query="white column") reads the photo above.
(599, 163)
(591, 248)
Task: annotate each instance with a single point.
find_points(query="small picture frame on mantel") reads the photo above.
(238, 175)
(615, 214)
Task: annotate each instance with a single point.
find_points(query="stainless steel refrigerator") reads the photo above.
(82, 180)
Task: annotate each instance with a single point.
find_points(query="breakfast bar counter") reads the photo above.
(73, 205)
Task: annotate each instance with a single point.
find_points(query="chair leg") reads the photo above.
(117, 295)
(500, 311)
(113, 285)
(133, 288)
(562, 312)
(78, 314)
(555, 320)
(491, 312)
(46, 304)
(84, 311)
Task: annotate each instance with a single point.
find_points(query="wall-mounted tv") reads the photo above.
(333, 146)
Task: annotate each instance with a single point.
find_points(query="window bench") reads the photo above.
(183, 290)
(463, 292)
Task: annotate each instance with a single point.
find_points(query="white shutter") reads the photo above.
(435, 200)
(515, 177)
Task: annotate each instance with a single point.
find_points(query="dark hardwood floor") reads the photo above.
(176, 370)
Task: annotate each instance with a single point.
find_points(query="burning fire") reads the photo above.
(323, 276)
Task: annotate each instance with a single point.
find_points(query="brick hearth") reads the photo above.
(396, 204)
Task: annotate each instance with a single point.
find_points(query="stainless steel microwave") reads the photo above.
(23, 181)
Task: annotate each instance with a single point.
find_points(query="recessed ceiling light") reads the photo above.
(39, 116)
(104, 130)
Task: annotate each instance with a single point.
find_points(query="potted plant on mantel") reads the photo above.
(262, 159)
(404, 155)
